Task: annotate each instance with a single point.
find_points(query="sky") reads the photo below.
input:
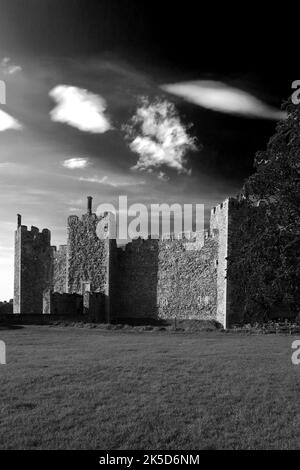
(157, 101)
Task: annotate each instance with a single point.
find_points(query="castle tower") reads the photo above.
(33, 268)
(221, 226)
(90, 252)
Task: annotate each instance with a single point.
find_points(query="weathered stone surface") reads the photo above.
(87, 256)
(66, 305)
(33, 269)
(167, 279)
(222, 223)
(60, 269)
(6, 308)
(186, 287)
(94, 306)
(137, 280)
(219, 228)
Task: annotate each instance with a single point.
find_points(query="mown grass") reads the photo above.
(72, 388)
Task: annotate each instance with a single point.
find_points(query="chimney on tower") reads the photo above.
(19, 220)
(89, 205)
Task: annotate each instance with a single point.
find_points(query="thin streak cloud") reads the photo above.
(105, 180)
(218, 96)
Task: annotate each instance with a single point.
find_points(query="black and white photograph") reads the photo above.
(150, 230)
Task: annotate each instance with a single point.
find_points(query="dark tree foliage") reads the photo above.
(265, 265)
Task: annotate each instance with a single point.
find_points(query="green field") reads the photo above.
(81, 388)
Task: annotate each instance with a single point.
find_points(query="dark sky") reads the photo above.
(247, 45)
(119, 51)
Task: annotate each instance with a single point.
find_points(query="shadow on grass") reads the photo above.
(4, 326)
(141, 322)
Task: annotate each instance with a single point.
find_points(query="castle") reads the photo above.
(148, 279)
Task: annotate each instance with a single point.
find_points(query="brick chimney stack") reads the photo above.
(89, 205)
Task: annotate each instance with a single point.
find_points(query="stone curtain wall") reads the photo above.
(60, 269)
(33, 269)
(136, 289)
(187, 287)
(168, 279)
(87, 256)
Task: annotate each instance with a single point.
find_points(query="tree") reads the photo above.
(265, 267)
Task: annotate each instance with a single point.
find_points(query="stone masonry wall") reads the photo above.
(17, 272)
(187, 287)
(168, 279)
(136, 291)
(60, 269)
(219, 224)
(33, 269)
(94, 306)
(223, 221)
(67, 305)
(6, 308)
(87, 256)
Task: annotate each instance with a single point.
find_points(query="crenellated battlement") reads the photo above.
(34, 234)
(224, 206)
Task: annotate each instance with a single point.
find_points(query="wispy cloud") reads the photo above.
(76, 202)
(76, 163)
(158, 136)
(94, 179)
(221, 97)
(8, 122)
(8, 67)
(80, 108)
(107, 181)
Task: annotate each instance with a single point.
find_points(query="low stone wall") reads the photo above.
(37, 319)
(94, 307)
(6, 308)
(55, 303)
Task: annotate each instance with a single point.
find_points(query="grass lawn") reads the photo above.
(80, 388)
